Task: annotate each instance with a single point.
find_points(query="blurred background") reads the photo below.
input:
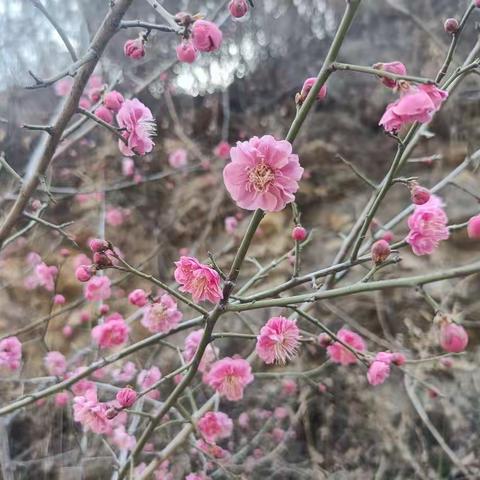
(344, 429)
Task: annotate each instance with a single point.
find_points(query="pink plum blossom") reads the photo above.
(339, 354)
(222, 150)
(128, 167)
(229, 377)
(191, 345)
(10, 353)
(139, 125)
(206, 36)
(138, 297)
(379, 369)
(263, 173)
(453, 337)
(126, 397)
(113, 332)
(91, 413)
(397, 68)
(186, 52)
(238, 8)
(134, 48)
(115, 216)
(178, 158)
(122, 439)
(278, 340)
(428, 226)
(307, 86)
(201, 281)
(214, 426)
(161, 316)
(98, 289)
(113, 100)
(147, 378)
(55, 363)
(473, 227)
(126, 373)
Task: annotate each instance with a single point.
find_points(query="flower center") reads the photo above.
(260, 177)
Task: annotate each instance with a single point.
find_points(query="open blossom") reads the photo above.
(122, 439)
(201, 281)
(214, 426)
(10, 353)
(113, 332)
(339, 354)
(147, 378)
(91, 413)
(263, 173)
(379, 369)
(229, 376)
(83, 385)
(191, 345)
(125, 373)
(428, 226)
(98, 289)
(116, 216)
(397, 68)
(161, 316)
(453, 337)
(278, 340)
(417, 104)
(55, 363)
(178, 158)
(139, 125)
(43, 275)
(206, 36)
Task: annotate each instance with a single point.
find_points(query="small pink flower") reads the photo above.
(473, 227)
(128, 167)
(244, 420)
(113, 100)
(62, 399)
(84, 273)
(428, 226)
(126, 397)
(55, 363)
(229, 377)
(148, 378)
(289, 387)
(339, 354)
(222, 150)
(161, 316)
(191, 345)
(299, 233)
(113, 332)
(91, 413)
(186, 52)
(214, 426)
(126, 373)
(59, 299)
(307, 86)
(206, 36)
(202, 282)
(378, 372)
(103, 113)
(134, 48)
(263, 174)
(238, 8)
(98, 289)
(231, 225)
(178, 158)
(46, 275)
(67, 331)
(122, 439)
(10, 353)
(139, 125)
(420, 195)
(453, 337)
(396, 68)
(278, 340)
(451, 25)
(380, 251)
(84, 103)
(83, 385)
(138, 297)
(115, 216)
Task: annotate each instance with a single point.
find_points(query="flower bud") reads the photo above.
(299, 233)
(388, 236)
(113, 100)
(238, 8)
(307, 86)
(59, 299)
(453, 337)
(103, 113)
(102, 259)
(126, 397)
(473, 228)
(451, 25)
(380, 251)
(83, 273)
(206, 36)
(98, 245)
(186, 52)
(396, 68)
(134, 48)
(419, 195)
(324, 340)
(104, 309)
(138, 297)
(398, 359)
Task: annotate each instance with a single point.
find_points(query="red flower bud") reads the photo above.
(380, 251)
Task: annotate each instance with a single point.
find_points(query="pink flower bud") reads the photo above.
(451, 25)
(453, 337)
(307, 86)
(138, 297)
(98, 245)
(104, 309)
(103, 113)
(388, 236)
(419, 195)
(206, 36)
(380, 251)
(473, 228)
(186, 52)
(399, 359)
(126, 397)
(84, 317)
(238, 8)
(324, 340)
(83, 273)
(67, 331)
(134, 48)
(396, 68)
(299, 233)
(64, 252)
(102, 259)
(113, 100)
(59, 299)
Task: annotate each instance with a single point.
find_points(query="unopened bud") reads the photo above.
(380, 251)
(451, 25)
